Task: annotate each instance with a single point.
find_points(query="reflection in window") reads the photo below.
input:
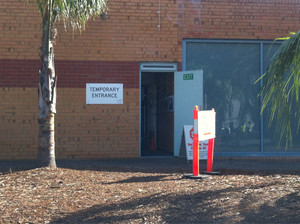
(230, 69)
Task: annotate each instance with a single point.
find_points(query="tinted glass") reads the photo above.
(230, 70)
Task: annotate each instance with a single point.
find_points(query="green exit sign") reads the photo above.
(188, 76)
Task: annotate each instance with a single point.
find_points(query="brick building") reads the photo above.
(141, 45)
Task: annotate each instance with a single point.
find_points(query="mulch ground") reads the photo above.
(61, 195)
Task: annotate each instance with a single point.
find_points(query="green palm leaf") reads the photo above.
(73, 12)
(77, 12)
(280, 88)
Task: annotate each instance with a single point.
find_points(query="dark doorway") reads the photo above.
(157, 114)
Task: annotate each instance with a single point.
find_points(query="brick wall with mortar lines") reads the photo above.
(237, 19)
(18, 129)
(24, 73)
(135, 37)
(110, 51)
(130, 33)
(96, 131)
(82, 131)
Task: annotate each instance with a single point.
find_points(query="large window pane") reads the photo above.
(230, 70)
(270, 143)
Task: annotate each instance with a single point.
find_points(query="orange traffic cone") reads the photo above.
(152, 145)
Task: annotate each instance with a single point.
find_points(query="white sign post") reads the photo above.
(204, 128)
(207, 131)
(104, 93)
(206, 124)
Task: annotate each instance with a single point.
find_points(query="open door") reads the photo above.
(157, 114)
(188, 92)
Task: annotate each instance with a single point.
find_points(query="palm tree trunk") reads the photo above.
(47, 97)
(47, 110)
(46, 142)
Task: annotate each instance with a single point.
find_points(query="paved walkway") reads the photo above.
(163, 164)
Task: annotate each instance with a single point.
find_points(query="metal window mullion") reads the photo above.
(184, 59)
(261, 98)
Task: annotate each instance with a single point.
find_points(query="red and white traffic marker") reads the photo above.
(210, 158)
(196, 165)
(210, 151)
(210, 155)
(195, 143)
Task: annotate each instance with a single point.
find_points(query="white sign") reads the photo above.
(206, 124)
(104, 93)
(203, 145)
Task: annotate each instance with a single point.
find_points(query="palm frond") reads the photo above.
(280, 88)
(42, 6)
(77, 12)
(285, 38)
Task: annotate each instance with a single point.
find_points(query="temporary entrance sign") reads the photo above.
(104, 93)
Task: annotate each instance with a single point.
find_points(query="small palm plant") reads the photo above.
(280, 89)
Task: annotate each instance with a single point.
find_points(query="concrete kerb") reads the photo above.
(162, 164)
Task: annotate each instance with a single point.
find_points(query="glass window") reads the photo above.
(230, 70)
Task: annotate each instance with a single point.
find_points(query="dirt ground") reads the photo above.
(126, 195)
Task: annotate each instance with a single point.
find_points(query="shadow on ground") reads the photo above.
(197, 208)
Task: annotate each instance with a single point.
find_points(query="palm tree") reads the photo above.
(74, 13)
(280, 89)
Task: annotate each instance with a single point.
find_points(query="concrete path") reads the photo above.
(163, 164)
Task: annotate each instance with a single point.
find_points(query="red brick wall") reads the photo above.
(19, 73)
(237, 19)
(18, 129)
(96, 131)
(24, 73)
(130, 33)
(110, 51)
(82, 131)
